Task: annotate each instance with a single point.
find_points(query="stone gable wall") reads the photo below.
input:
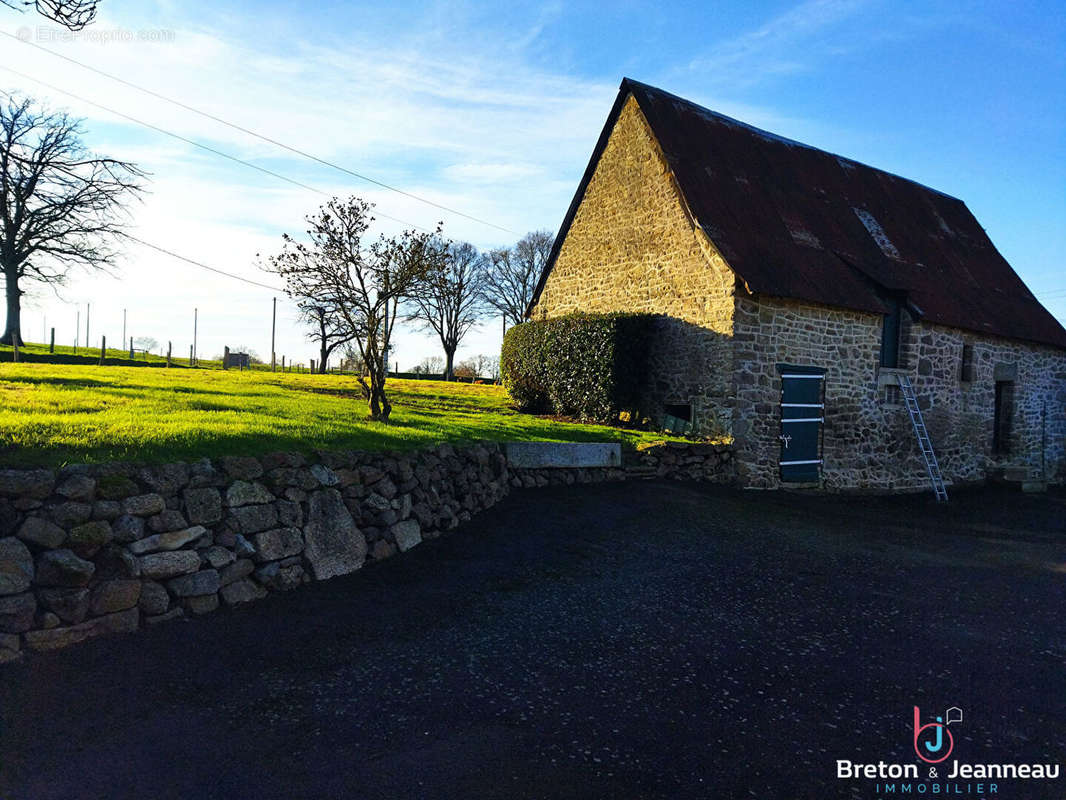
(870, 444)
(633, 247)
(93, 550)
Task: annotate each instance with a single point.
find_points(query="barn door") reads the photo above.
(802, 415)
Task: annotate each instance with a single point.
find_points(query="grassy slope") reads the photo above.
(56, 414)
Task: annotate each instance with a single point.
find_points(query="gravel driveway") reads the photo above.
(627, 640)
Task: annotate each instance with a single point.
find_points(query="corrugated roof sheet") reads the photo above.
(797, 222)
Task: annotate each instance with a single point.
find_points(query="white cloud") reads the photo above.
(771, 49)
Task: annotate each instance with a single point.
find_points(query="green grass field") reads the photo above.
(54, 414)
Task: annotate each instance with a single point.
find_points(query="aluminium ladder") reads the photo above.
(924, 442)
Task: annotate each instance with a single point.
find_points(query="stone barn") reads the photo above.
(812, 307)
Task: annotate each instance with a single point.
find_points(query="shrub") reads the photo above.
(589, 366)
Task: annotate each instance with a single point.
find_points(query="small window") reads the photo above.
(966, 373)
(1002, 418)
(892, 395)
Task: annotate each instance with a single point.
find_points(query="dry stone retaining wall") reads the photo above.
(92, 550)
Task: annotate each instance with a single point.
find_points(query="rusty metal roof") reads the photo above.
(797, 222)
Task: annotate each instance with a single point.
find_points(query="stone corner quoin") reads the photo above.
(91, 550)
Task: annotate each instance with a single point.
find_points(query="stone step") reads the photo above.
(641, 473)
(545, 455)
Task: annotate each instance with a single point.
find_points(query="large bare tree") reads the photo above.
(71, 14)
(514, 272)
(451, 299)
(363, 282)
(61, 207)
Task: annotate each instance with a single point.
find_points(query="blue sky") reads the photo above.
(494, 108)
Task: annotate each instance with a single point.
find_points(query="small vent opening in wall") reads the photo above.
(893, 397)
(966, 373)
(677, 417)
(1002, 418)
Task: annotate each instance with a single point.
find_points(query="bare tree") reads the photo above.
(479, 366)
(364, 283)
(451, 300)
(352, 361)
(60, 207)
(71, 14)
(328, 328)
(514, 272)
(315, 304)
(466, 369)
(487, 366)
(430, 365)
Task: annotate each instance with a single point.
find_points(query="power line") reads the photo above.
(192, 142)
(200, 264)
(275, 142)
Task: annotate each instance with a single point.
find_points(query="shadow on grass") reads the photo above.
(54, 381)
(422, 403)
(112, 388)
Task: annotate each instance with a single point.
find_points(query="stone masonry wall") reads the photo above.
(632, 246)
(869, 443)
(92, 550)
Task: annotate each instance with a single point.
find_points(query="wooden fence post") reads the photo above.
(103, 349)
(15, 348)
(52, 342)
(225, 357)
(131, 348)
(169, 346)
(190, 355)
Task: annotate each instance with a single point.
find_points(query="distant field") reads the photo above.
(91, 355)
(55, 414)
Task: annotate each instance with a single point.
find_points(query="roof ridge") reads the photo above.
(627, 83)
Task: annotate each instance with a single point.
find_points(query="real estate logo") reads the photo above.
(934, 744)
(929, 738)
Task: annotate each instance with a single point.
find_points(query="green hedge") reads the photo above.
(589, 366)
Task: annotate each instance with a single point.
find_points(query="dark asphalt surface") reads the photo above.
(623, 641)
